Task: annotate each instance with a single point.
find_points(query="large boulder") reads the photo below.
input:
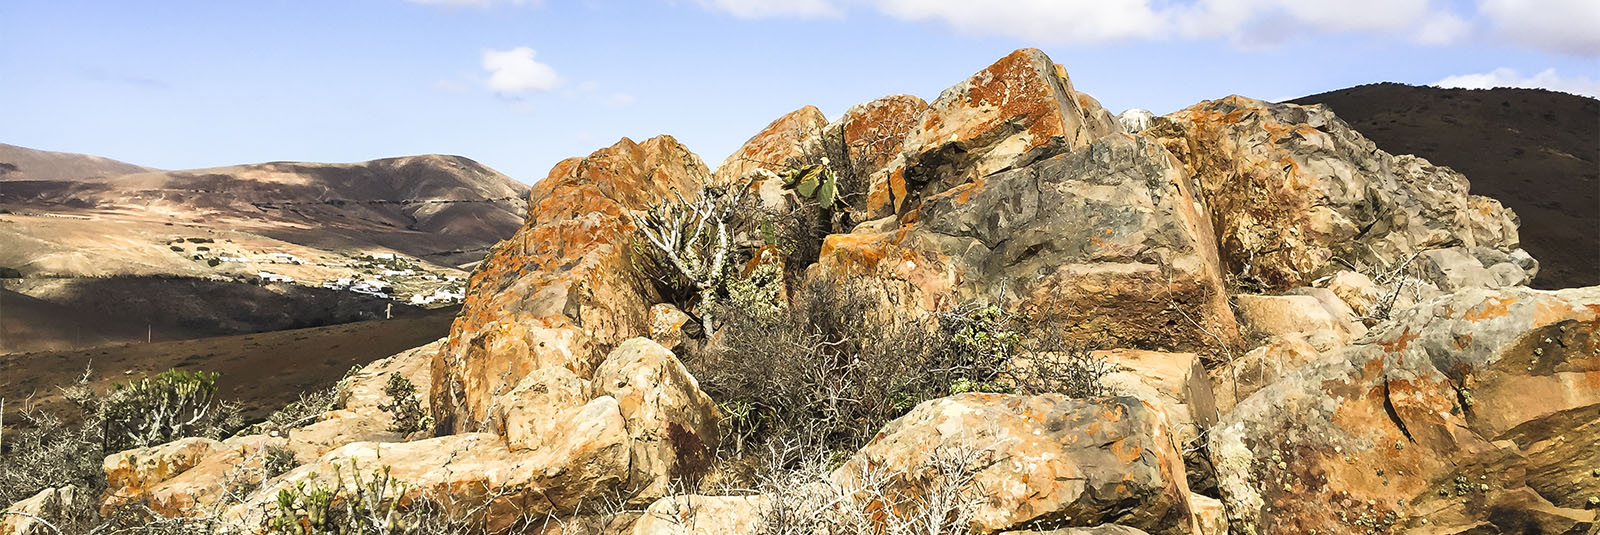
(1046, 460)
(1295, 193)
(671, 424)
(1021, 109)
(562, 291)
(1108, 241)
(132, 474)
(477, 474)
(1176, 383)
(1473, 413)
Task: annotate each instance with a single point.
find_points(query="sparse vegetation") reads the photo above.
(409, 416)
(829, 371)
(169, 406)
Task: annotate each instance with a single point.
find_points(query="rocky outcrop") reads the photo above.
(863, 141)
(641, 424)
(360, 417)
(1107, 241)
(562, 291)
(1048, 460)
(1294, 193)
(1019, 110)
(132, 475)
(23, 517)
(1476, 412)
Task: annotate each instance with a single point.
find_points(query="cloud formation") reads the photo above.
(515, 71)
(1566, 26)
(1505, 77)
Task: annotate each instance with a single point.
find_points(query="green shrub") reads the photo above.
(409, 417)
(160, 409)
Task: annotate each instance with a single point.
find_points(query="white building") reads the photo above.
(273, 277)
(285, 258)
(383, 256)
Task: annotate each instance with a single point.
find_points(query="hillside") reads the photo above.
(1534, 150)
(446, 210)
(183, 253)
(22, 163)
(261, 371)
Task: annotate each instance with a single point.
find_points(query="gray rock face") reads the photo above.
(1295, 193)
(1475, 412)
(1107, 241)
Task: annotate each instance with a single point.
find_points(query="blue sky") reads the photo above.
(519, 85)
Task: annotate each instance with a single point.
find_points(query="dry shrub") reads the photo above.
(830, 370)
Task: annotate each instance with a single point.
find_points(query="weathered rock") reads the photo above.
(784, 144)
(1295, 193)
(1019, 110)
(533, 412)
(1051, 459)
(241, 462)
(1107, 241)
(1477, 412)
(1175, 382)
(130, 475)
(666, 325)
(862, 142)
(1107, 529)
(702, 515)
(1267, 316)
(562, 291)
(1235, 380)
(777, 147)
(671, 424)
(1454, 268)
(1210, 514)
(23, 517)
(477, 473)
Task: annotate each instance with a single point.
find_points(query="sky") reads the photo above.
(521, 84)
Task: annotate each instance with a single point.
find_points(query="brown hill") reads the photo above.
(1534, 150)
(444, 209)
(64, 313)
(260, 371)
(22, 163)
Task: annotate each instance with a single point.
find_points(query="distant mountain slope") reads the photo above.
(1534, 150)
(444, 209)
(22, 163)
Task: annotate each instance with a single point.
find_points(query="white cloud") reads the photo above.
(756, 9)
(1567, 26)
(1505, 77)
(515, 71)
